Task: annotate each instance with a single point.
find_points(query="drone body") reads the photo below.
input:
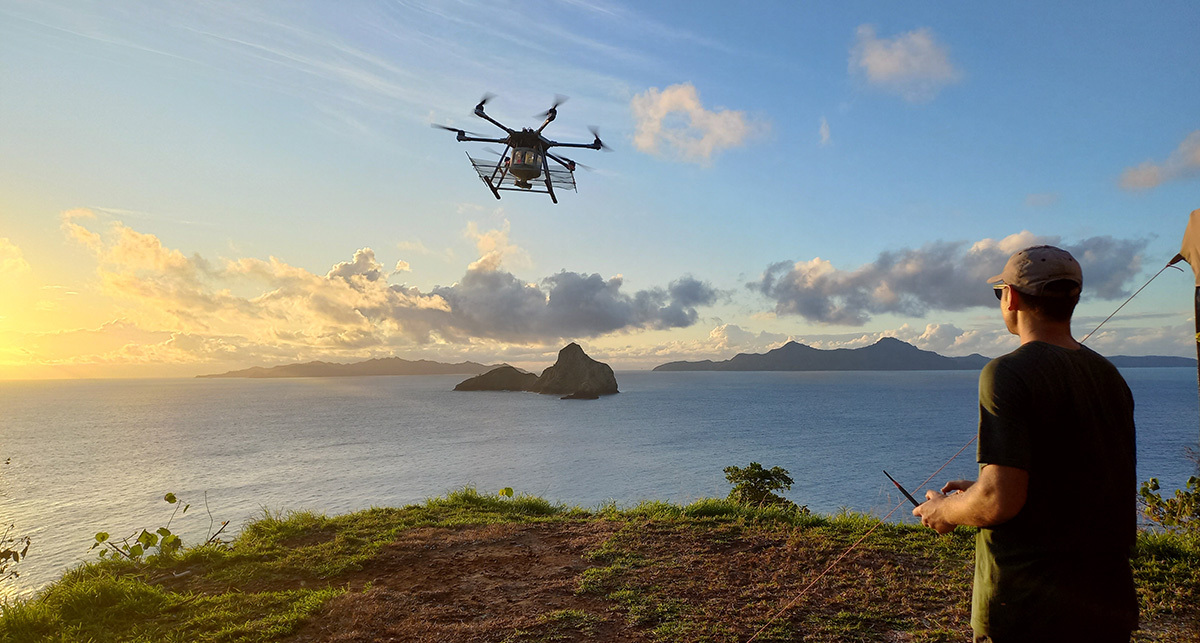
(526, 157)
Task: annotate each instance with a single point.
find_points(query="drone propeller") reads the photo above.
(484, 101)
(596, 133)
(559, 99)
(454, 129)
(569, 163)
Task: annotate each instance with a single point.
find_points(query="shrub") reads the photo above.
(755, 486)
(1180, 514)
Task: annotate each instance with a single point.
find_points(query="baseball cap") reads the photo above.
(1029, 271)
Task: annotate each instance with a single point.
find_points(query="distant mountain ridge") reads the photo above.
(888, 354)
(379, 366)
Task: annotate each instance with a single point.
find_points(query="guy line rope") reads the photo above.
(858, 542)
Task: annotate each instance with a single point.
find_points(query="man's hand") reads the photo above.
(994, 499)
(957, 485)
(931, 514)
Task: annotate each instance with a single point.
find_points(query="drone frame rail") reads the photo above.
(498, 179)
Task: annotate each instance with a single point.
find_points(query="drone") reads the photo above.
(530, 157)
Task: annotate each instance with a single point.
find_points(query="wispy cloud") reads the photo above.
(1183, 163)
(912, 65)
(673, 122)
(12, 260)
(823, 132)
(942, 275)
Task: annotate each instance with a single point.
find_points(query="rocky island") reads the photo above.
(574, 376)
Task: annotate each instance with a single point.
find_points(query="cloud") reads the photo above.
(674, 123)
(363, 266)
(823, 132)
(941, 275)
(12, 260)
(1183, 163)
(911, 65)
(250, 307)
(495, 304)
(495, 249)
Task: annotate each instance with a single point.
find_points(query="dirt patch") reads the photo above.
(599, 581)
(514, 582)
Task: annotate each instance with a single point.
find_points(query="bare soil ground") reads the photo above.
(613, 581)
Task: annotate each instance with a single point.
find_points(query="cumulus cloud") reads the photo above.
(495, 304)
(911, 65)
(674, 123)
(12, 260)
(941, 275)
(1183, 163)
(253, 307)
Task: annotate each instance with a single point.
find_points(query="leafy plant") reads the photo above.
(11, 549)
(753, 485)
(1180, 514)
(137, 545)
(9, 554)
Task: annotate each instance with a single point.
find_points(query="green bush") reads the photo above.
(755, 486)
(1180, 514)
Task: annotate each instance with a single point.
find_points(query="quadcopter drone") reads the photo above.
(526, 156)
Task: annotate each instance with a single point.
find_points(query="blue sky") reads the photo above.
(191, 187)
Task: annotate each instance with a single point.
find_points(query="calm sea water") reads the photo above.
(98, 455)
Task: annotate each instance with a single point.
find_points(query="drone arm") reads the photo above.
(594, 145)
(476, 139)
(563, 161)
(550, 115)
(481, 114)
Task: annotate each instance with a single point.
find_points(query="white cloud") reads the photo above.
(823, 132)
(674, 123)
(12, 260)
(912, 65)
(1183, 163)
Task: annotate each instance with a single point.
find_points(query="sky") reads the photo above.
(195, 187)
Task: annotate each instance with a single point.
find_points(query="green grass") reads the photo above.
(657, 571)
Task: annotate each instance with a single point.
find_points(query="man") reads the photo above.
(1055, 499)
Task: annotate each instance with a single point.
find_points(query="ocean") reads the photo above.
(98, 455)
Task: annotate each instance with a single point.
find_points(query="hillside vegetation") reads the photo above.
(475, 567)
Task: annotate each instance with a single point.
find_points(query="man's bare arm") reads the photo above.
(994, 499)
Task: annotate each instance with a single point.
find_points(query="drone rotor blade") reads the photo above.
(559, 99)
(486, 97)
(596, 133)
(458, 131)
(569, 163)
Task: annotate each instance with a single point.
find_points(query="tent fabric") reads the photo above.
(1190, 251)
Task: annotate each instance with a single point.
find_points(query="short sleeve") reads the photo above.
(1004, 427)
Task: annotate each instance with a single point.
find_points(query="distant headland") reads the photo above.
(380, 366)
(888, 354)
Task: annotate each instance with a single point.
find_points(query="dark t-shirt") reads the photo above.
(1060, 568)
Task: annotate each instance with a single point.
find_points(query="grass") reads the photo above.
(708, 571)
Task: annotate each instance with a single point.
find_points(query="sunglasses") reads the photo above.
(999, 290)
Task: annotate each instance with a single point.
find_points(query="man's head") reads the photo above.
(1047, 278)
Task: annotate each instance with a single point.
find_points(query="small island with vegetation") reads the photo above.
(514, 568)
